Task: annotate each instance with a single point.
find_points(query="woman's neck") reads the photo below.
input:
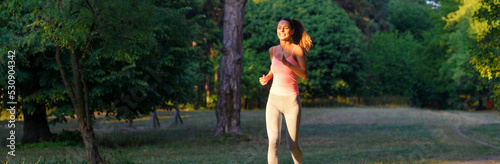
(285, 44)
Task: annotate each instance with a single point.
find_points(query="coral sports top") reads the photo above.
(285, 80)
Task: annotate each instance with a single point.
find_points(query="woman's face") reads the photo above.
(284, 30)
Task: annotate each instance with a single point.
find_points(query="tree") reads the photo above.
(60, 27)
(159, 68)
(108, 48)
(486, 57)
(421, 60)
(431, 83)
(229, 99)
(472, 40)
(116, 53)
(38, 93)
(38, 85)
(462, 79)
(209, 36)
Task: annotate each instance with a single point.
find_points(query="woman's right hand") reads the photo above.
(263, 80)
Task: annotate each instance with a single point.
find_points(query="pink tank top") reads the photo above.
(284, 80)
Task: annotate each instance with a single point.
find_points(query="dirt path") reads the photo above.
(491, 159)
(457, 129)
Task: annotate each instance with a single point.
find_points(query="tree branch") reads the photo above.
(91, 8)
(77, 80)
(86, 90)
(64, 77)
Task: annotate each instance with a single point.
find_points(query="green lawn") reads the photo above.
(328, 135)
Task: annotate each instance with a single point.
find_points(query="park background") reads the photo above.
(390, 81)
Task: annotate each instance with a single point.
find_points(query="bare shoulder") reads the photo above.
(271, 50)
(299, 51)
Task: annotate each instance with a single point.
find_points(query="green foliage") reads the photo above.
(134, 54)
(410, 16)
(207, 38)
(429, 67)
(158, 71)
(334, 62)
(370, 16)
(486, 56)
(254, 66)
(38, 82)
(466, 10)
(468, 29)
(462, 78)
(392, 64)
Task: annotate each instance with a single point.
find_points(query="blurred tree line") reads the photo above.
(129, 57)
(423, 52)
(79, 58)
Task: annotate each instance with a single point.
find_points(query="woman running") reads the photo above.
(288, 62)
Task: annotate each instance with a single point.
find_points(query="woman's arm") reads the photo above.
(265, 78)
(301, 70)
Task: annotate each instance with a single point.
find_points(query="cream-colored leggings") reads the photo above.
(290, 107)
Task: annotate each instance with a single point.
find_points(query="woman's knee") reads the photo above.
(274, 143)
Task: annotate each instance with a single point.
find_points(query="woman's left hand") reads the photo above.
(284, 61)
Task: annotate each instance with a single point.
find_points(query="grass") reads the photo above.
(328, 135)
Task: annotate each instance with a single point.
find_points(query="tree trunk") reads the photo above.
(480, 100)
(245, 102)
(36, 127)
(80, 100)
(229, 98)
(197, 97)
(208, 79)
(154, 119)
(130, 122)
(177, 115)
(207, 90)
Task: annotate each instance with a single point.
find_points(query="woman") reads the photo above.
(288, 61)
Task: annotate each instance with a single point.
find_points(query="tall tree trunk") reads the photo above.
(78, 94)
(207, 90)
(208, 79)
(36, 127)
(198, 96)
(229, 98)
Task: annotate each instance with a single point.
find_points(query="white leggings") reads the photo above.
(290, 107)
